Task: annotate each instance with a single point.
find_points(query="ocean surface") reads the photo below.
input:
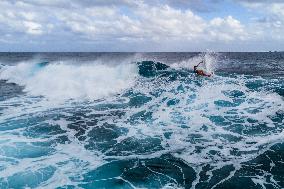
(141, 120)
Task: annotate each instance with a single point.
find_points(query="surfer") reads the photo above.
(199, 71)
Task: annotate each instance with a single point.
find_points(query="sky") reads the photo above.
(141, 25)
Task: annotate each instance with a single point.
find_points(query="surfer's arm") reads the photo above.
(195, 67)
(199, 63)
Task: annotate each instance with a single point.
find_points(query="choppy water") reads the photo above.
(141, 120)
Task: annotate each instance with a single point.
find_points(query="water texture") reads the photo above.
(141, 120)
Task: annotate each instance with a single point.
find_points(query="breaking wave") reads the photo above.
(68, 81)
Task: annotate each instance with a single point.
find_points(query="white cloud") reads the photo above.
(271, 24)
(33, 28)
(126, 21)
(164, 22)
(22, 18)
(227, 29)
(277, 9)
(156, 23)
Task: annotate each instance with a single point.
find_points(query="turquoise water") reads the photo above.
(117, 120)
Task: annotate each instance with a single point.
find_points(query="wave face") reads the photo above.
(122, 120)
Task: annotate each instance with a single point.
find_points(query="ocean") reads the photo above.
(141, 120)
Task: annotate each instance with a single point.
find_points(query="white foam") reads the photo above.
(195, 114)
(193, 144)
(63, 81)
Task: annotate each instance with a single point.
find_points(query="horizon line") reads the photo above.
(141, 51)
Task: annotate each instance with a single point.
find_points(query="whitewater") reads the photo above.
(141, 120)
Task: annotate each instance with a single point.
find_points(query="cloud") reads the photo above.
(74, 3)
(160, 22)
(33, 28)
(156, 23)
(196, 5)
(132, 23)
(275, 7)
(271, 22)
(227, 29)
(20, 19)
(164, 22)
(260, 1)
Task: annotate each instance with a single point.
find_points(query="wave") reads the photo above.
(167, 123)
(63, 81)
(93, 80)
(69, 81)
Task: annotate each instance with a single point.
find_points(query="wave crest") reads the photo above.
(68, 81)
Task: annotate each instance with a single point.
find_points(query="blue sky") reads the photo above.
(141, 25)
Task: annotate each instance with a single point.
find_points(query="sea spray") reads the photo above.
(66, 81)
(209, 61)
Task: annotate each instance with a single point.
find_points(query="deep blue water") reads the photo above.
(141, 120)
